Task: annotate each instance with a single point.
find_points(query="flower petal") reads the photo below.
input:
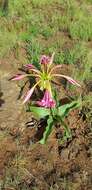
(18, 77)
(47, 101)
(50, 66)
(32, 68)
(55, 68)
(29, 66)
(44, 60)
(52, 58)
(72, 81)
(29, 94)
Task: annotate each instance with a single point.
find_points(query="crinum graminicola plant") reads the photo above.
(44, 78)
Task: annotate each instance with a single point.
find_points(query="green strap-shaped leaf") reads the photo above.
(64, 109)
(67, 132)
(39, 111)
(47, 131)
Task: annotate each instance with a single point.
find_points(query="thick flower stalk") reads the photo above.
(44, 78)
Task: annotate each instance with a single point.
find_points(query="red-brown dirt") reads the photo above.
(26, 164)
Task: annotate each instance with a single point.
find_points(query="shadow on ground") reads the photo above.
(1, 99)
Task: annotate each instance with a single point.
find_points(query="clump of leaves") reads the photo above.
(55, 116)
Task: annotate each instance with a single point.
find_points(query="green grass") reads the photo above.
(81, 29)
(34, 50)
(45, 26)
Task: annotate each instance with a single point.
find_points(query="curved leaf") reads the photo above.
(48, 130)
(39, 111)
(64, 109)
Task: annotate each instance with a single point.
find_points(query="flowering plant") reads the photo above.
(48, 106)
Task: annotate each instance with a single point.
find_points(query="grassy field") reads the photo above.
(30, 28)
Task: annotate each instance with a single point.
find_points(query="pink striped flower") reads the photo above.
(44, 60)
(47, 101)
(29, 66)
(44, 78)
